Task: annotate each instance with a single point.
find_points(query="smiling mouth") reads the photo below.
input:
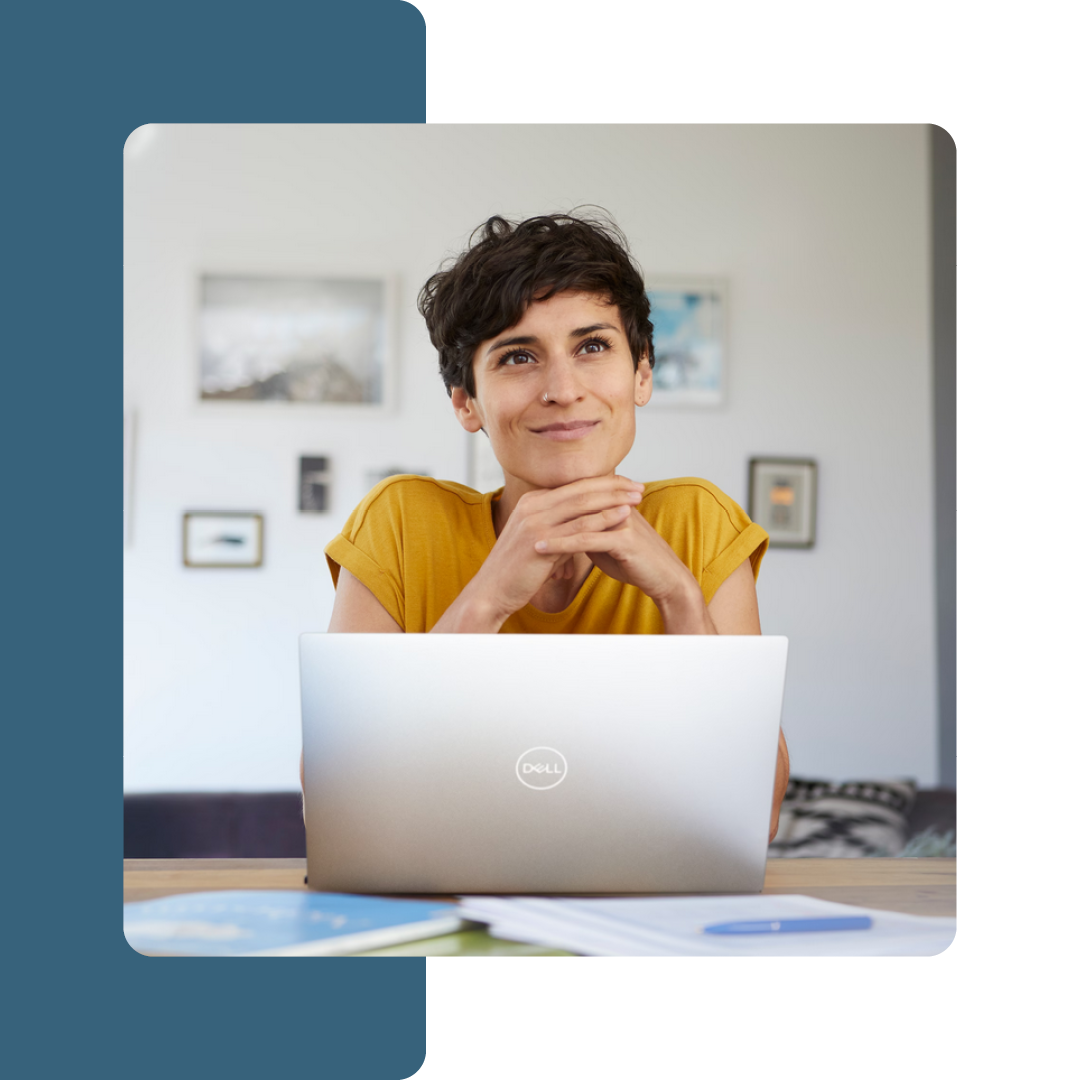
(575, 429)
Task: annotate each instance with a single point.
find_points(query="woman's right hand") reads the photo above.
(515, 571)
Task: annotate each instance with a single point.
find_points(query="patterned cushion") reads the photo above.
(822, 820)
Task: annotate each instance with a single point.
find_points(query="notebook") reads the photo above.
(280, 922)
(502, 763)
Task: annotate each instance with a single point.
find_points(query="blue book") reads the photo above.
(280, 923)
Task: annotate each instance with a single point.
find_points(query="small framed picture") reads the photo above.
(314, 485)
(689, 317)
(223, 540)
(783, 500)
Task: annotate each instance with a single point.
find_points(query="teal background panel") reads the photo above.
(77, 78)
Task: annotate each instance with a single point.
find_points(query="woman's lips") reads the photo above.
(576, 429)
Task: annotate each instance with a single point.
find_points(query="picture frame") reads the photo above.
(783, 500)
(222, 540)
(689, 316)
(293, 338)
(313, 496)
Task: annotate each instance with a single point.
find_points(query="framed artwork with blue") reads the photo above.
(689, 317)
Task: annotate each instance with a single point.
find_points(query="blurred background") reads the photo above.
(824, 239)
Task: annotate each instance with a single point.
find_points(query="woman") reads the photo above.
(545, 345)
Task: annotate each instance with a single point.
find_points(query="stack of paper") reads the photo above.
(674, 926)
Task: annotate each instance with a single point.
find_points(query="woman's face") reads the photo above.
(556, 393)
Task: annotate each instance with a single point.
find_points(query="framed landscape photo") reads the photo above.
(223, 539)
(783, 500)
(689, 317)
(319, 340)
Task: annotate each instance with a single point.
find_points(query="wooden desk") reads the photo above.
(914, 886)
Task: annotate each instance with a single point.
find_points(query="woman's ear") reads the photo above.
(466, 409)
(643, 382)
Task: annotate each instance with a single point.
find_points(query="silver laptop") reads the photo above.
(536, 763)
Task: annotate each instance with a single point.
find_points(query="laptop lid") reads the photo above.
(505, 763)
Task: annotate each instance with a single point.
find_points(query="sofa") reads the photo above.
(270, 825)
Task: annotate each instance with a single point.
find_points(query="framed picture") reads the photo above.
(485, 472)
(293, 339)
(223, 539)
(783, 500)
(314, 485)
(689, 317)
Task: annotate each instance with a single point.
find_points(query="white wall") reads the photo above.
(823, 235)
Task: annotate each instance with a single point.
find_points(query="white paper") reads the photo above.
(673, 926)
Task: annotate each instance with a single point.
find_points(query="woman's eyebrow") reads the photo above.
(526, 340)
(592, 329)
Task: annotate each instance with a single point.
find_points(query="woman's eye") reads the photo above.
(516, 358)
(594, 346)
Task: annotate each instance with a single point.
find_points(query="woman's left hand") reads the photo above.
(632, 552)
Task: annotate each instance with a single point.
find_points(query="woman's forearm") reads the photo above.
(471, 613)
(780, 783)
(686, 612)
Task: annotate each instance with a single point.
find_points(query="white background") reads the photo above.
(822, 234)
(1002, 80)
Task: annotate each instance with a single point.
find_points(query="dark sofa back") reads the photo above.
(271, 826)
(214, 826)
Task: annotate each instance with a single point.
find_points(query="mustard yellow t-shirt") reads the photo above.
(416, 543)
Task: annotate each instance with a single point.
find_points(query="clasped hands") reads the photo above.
(597, 517)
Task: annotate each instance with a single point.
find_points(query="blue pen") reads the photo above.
(790, 926)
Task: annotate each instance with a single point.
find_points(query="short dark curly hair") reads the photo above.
(509, 265)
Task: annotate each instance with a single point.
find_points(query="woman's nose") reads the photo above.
(562, 384)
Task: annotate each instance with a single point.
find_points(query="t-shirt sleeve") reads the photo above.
(736, 539)
(706, 528)
(370, 548)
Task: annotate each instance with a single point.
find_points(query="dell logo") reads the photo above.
(541, 768)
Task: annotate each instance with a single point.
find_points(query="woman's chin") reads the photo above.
(560, 477)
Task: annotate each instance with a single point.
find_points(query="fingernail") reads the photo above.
(541, 545)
